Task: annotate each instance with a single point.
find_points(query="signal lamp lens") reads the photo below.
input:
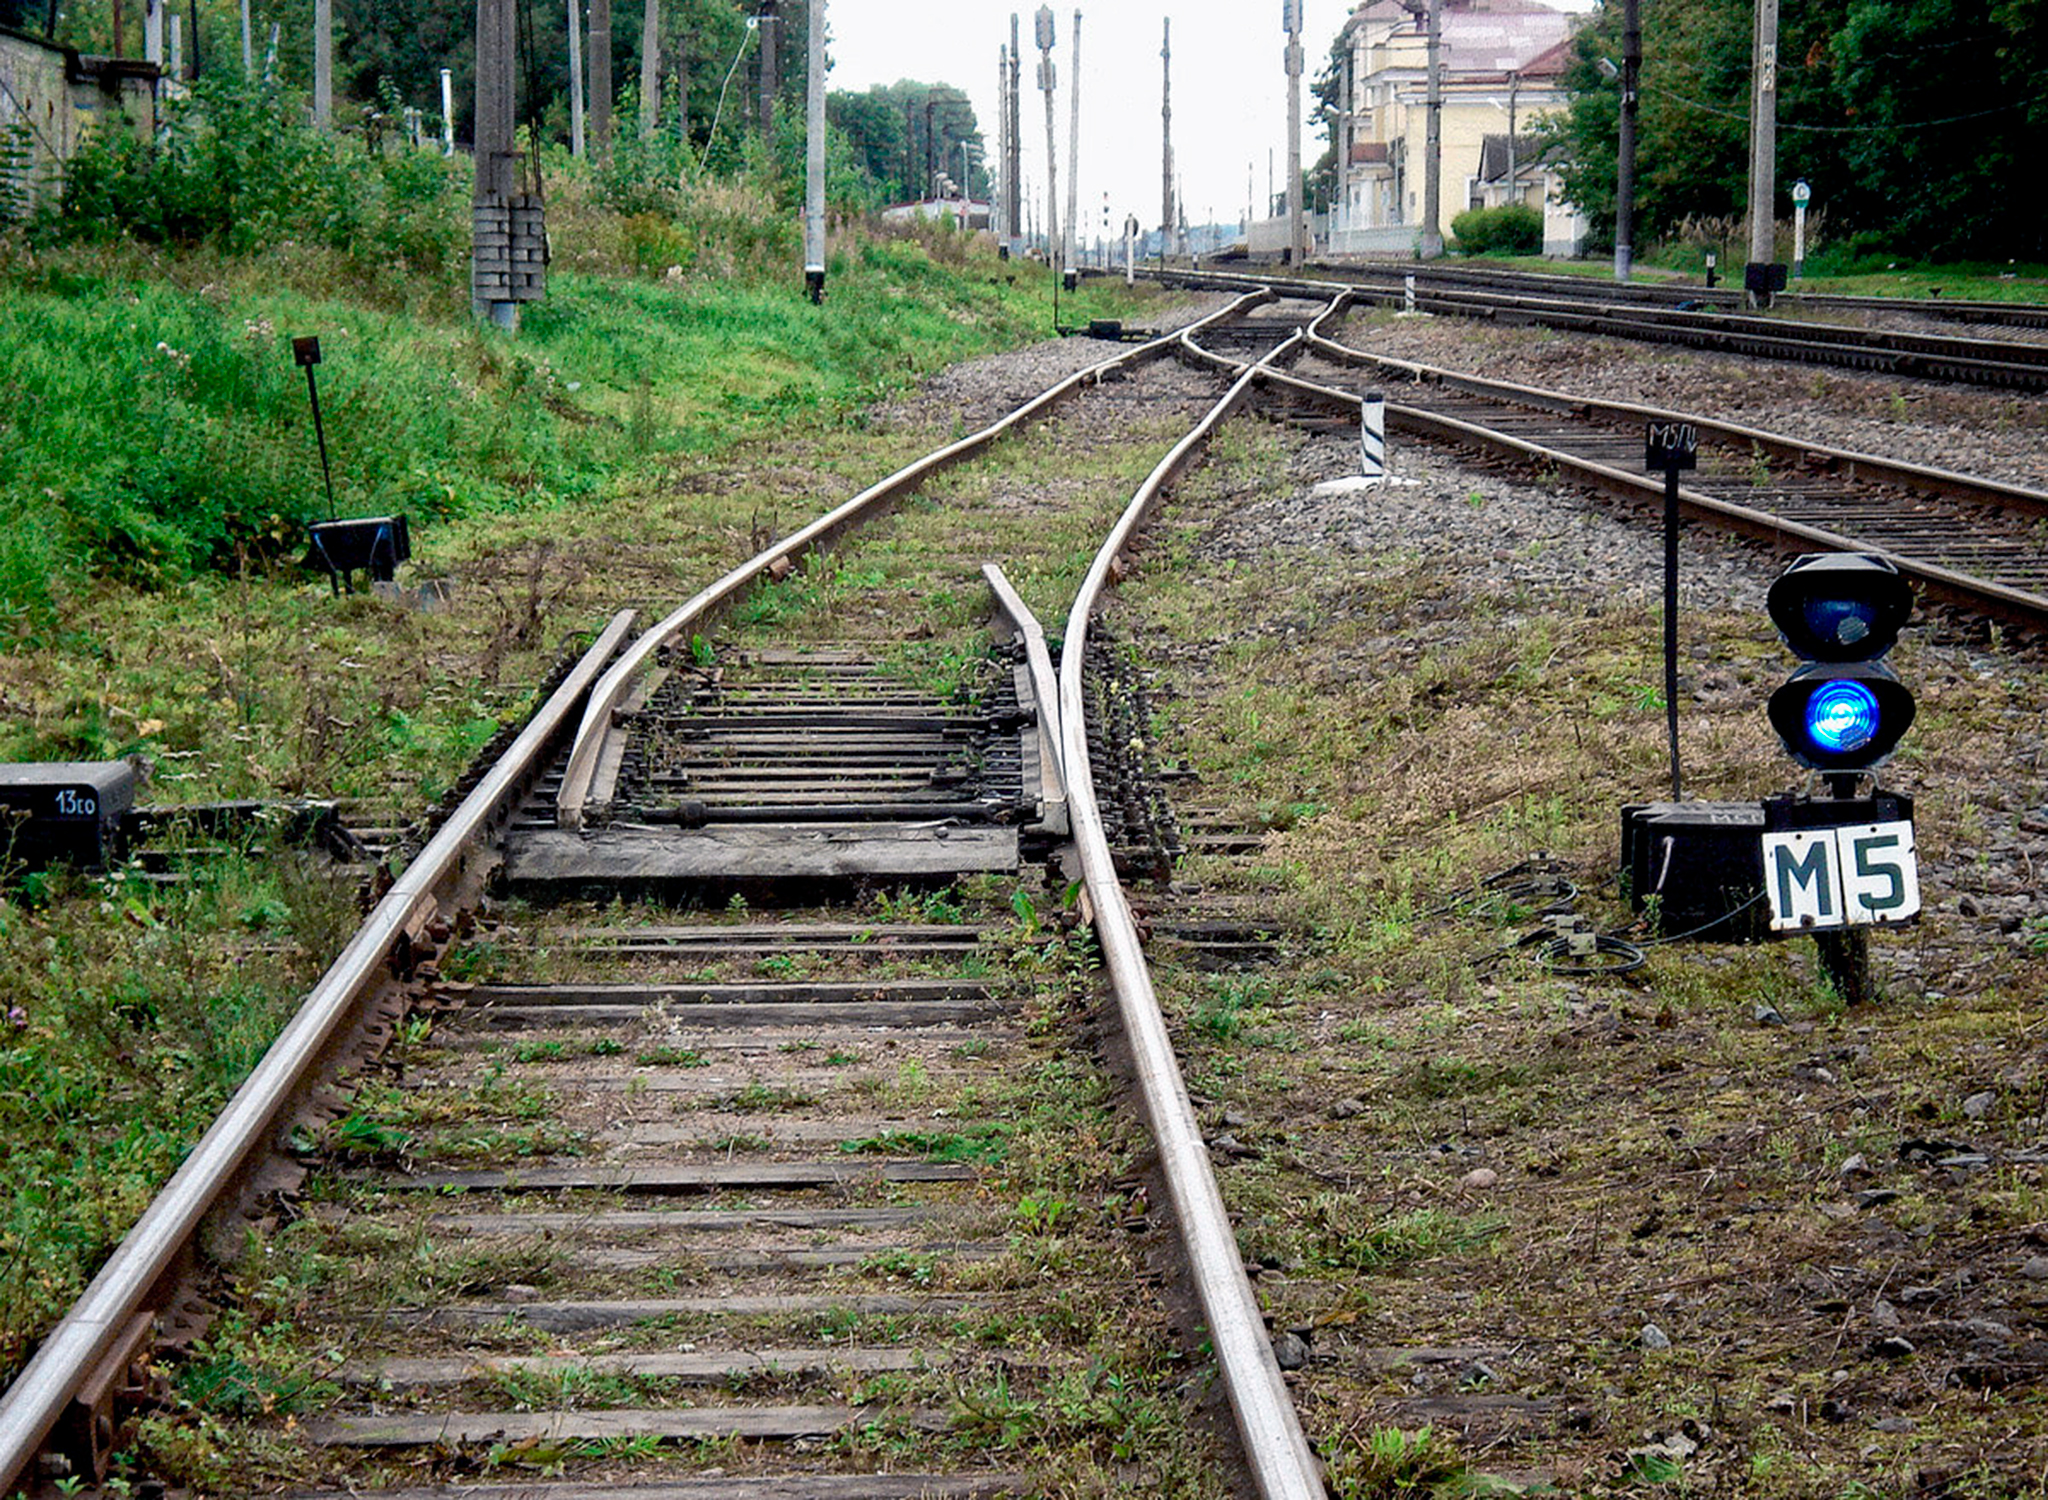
(1842, 623)
(1842, 717)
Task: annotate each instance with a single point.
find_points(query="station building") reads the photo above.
(1503, 63)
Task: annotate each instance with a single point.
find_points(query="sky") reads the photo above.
(1229, 89)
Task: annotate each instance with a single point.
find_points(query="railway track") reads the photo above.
(743, 1132)
(1689, 296)
(1980, 543)
(1984, 362)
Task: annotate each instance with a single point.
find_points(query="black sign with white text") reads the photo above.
(1671, 445)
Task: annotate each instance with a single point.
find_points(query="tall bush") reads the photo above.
(236, 166)
(1511, 229)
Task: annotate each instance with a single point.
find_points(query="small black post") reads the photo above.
(1671, 621)
(307, 352)
(1671, 447)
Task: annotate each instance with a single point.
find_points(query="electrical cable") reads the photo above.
(1556, 954)
(1726, 916)
(746, 40)
(1743, 115)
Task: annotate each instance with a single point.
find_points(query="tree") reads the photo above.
(1915, 121)
(906, 133)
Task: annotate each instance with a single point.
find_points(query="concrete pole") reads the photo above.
(576, 113)
(248, 44)
(1048, 80)
(1297, 238)
(1074, 152)
(1166, 214)
(1013, 165)
(1514, 88)
(814, 155)
(1433, 153)
(1763, 141)
(1625, 155)
(771, 64)
(997, 187)
(175, 54)
(323, 64)
(447, 112)
(601, 79)
(497, 160)
(153, 31)
(650, 70)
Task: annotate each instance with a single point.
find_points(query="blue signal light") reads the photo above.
(1842, 717)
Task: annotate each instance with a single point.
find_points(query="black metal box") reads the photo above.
(63, 812)
(375, 544)
(1702, 863)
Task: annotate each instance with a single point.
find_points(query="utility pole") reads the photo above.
(497, 163)
(1514, 89)
(248, 44)
(814, 154)
(1166, 214)
(1074, 154)
(1013, 165)
(998, 193)
(1763, 149)
(153, 31)
(1432, 166)
(120, 26)
(1625, 157)
(650, 70)
(771, 66)
(601, 79)
(576, 137)
(1048, 79)
(323, 64)
(1297, 248)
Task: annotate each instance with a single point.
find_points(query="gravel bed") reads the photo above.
(978, 391)
(1998, 435)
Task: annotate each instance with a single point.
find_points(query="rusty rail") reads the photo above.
(1278, 1454)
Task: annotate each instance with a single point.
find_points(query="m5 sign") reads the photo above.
(1857, 876)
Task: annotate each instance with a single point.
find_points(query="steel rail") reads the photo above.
(572, 802)
(1981, 362)
(1589, 289)
(2013, 603)
(33, 1405)
(1044, 691)
(1282, 1466)
(1851, 464)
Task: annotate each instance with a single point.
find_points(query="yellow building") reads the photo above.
(51, 99)
(1502, 62)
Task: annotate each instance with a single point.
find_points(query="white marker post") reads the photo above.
(1130, 250)
(447, 112)
(1801, 196)
(1372, 430)
(1408, 292)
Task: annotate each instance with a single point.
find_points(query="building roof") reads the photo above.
(1485, 37)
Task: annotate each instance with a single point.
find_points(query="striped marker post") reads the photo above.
(1409, 292)
(1372, 429)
